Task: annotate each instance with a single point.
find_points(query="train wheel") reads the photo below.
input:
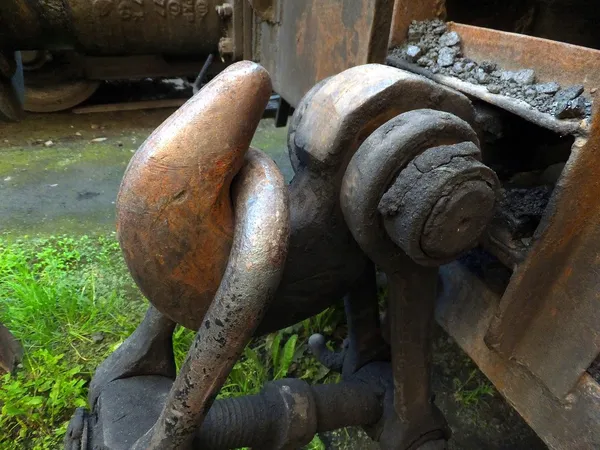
(59, 96)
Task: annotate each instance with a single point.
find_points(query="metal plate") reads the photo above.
(315, 39)
(465, 307)
(549, 319)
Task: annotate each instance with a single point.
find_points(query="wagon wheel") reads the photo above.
(58, 97)
(54, 81)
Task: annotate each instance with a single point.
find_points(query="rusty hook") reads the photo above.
(248, 286)
(174, 214)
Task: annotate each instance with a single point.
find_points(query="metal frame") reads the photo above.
(543, 334)
(536, 342)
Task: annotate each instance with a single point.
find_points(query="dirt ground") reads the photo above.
(60, 173)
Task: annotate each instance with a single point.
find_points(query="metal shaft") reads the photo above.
(411, 300)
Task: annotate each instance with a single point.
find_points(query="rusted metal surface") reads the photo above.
(549, 318)
(174, 216)
(552, 60)
(191, 27)
(248, 286)
(405, 11)
(465, 308)
(236, 23)
(315, 39)
(138, 27)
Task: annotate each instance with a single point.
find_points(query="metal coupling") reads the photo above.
(417, 183)
(297, 413)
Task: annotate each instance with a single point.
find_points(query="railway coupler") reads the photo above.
(388, 176)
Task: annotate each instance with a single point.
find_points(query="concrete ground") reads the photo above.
(60, 173)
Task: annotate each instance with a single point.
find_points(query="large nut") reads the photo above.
(417, 183)
(440, 204)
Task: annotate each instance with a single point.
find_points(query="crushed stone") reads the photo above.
(431, 46)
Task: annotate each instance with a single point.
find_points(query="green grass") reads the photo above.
(58, 293)
(472, 391)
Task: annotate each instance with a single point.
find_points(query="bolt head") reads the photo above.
(225, 10)
(444, 200)
(226, 47)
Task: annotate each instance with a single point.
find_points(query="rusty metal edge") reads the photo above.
(515, 106)
(552, 60)
(405, 11)
(548, 319)
(465, 308)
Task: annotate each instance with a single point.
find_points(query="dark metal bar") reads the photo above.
(283, 112)
(366, 343)
(411, 304)
(199, 82)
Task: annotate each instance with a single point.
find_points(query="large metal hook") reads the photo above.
(248, 286)
(174, 211)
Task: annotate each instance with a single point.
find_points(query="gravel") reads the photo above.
(524, 77)
(446, 56)
(449, 39)
(550, 88)
(413, 52)
(431, 46)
